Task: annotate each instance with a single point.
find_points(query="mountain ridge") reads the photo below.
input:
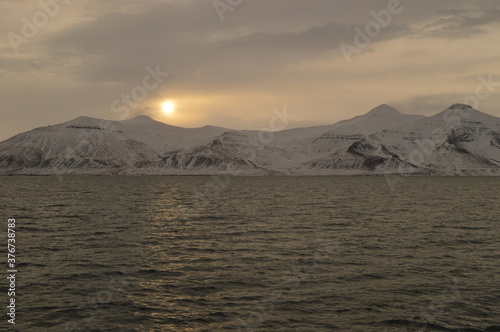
(457, 141)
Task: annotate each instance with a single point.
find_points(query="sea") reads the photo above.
(194, 253)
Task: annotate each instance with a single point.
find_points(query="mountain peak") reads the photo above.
(461, 107)
(85, 121)
(143, 118)
(469, 113)
(384, 109)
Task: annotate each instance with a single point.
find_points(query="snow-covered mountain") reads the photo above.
(94, 146)
(457, 141)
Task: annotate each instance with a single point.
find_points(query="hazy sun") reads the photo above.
(168, 107)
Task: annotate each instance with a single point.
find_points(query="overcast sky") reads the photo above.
(231, 62)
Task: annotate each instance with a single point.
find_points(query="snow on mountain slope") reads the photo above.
(89, 143)
(236, 150)
(286, 149)
(152, 132)
(310, 150)
(379, 118)
(145, 122)
(364, 158)
(458, 141)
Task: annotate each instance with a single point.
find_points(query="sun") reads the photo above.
(168, 107)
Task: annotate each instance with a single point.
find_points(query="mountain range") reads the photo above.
(458, 141)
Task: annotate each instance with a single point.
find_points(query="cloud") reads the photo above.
(116, 47)
(318, 38)
(264, 54)
(460, 23)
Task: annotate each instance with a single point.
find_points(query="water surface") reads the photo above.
(255, 253)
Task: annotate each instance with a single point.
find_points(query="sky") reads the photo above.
(232, 63)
